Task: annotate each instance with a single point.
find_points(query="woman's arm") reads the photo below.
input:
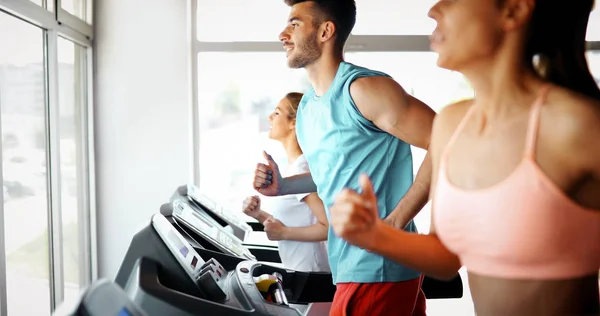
(424, 253)
(251, 207)
(315, 232)
(261, 216)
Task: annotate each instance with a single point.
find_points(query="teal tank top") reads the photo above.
(339, 144)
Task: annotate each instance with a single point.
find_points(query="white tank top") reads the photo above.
(292, 211)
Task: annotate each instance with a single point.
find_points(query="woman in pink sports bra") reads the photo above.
(516, 170)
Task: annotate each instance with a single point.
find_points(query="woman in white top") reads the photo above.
(298, 222)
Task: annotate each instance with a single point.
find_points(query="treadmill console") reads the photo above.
(240, 228)
(205, 227)
(164, 275)
(102, 298)
(208, 275)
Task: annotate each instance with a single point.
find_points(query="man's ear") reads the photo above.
(327, 31)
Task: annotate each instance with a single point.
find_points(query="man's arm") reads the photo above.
(298, 184)
(415, 198)
(382, 101)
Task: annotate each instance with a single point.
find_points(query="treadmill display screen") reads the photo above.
(178, 244)
(202, 224)
(194, 219)
(184, 251)
(202, 199)
(124, 312)
(215, 207)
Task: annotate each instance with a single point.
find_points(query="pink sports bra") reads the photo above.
(524, 227)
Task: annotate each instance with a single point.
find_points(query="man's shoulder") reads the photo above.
(352, 70)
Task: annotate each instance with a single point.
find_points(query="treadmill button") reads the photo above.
(244, 270)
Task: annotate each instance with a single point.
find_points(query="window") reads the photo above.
(79, 8)
(263, 20)
(24, 143)
(45, 160)
(593, 30)
(71, 70)
(234, 109)
(48, 4)
(398, 17)
(593, 58)
(238, 20)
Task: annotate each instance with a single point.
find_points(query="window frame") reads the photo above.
(55, 24)
(59, 19)
(79, 24)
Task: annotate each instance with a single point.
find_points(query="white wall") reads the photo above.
(142, 116)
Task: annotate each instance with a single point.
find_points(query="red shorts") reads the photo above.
(379, 299)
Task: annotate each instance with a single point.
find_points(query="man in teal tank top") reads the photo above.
(352, 121)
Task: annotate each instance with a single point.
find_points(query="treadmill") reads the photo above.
(102, 298)
(214, 241)
(192, 195)
(165, 275)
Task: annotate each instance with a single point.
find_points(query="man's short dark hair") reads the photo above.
(341, 12)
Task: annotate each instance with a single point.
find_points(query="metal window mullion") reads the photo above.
(54, 181)
(3, 281)
(56, 9)
(192, 7)
(90, 162)
(30, 11)
(83, 216)
(74, 22)
(80, 172)
(356, 43)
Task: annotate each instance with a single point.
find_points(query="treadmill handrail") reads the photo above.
(259, 246)
(256, 226)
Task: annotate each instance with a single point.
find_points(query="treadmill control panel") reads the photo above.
(209, 275)
(185, 254)
(205, 226)
(240, 228)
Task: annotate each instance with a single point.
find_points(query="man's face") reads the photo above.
(299, 38)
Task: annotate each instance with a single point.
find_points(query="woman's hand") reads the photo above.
(251, 206)
(275, 229)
